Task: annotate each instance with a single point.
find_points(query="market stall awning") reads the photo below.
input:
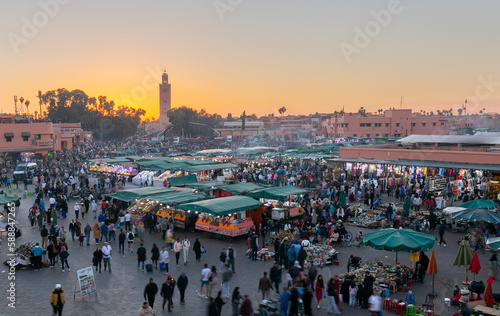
(277, 193)
(207, 167)
(391, 239)
(139, 193)
(477, 203)
(240, 188)
(205, 185)
(221, 206)
(180, 181)
(174, 198)
(7, 199)
(479, 215)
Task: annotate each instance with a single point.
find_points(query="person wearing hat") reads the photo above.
(57, 299)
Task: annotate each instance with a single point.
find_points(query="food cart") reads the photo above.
(226, 216)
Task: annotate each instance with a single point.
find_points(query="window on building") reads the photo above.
(8, 139)
(367, 135)
(433, 123)
(377, 135)
(442, 123)
(26, 138)
(423, 123)
(397, 124)
(38, 136)
(386, 124)
(386, 135)
(397, 135)
(378, 124)
(413, 124)
(354, 135)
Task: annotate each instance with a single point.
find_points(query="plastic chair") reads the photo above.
(393, 287)
(401, 309)
(429, 302)
(394, 305)
(410, 298)
(429, 313)
(387, 304)
(410, 310)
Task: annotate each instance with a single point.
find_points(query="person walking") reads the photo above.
(87, 231)
(275, 276)
(150, 292)
(320, 290)
(375, 303)
(212, 282)
(97, 258)
(112, 232)
(254, 242)
(72, 229)
(52, 254)
(264, 286)
(97, 233)
(231, 256)
(246, 307)
(155, 255)
(63, 255)
(44, 233)
(197, 249)
(106, 256)
(177, 250)
(442, 229)
(167, 291)
(121, 242)
(284, 301)
(186, 244)
(222, 259)
(236, 299)
(37, 252)
(227, 274)
(130, 241)
(77, 209)
(332, 306)
(219, 302)
(141, 256)
(57, 299)
(145, 310)
(164, 259)
(182, 283)
(204, 279)
(493, 266)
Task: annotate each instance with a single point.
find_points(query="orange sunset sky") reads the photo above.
(230, 56)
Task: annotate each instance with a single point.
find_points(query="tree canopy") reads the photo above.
(182, 120)
(104, 118)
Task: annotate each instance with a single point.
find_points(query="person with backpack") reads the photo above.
(141, 256)
(231, 255)
(130, 241)
(222, 259)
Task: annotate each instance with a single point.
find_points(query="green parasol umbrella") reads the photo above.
(488, 204)
(477, 214)
(342, 203)
(406, 206)
(391, 239)
(464, 257)
(493, 243)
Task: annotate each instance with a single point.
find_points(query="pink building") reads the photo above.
(38, 139)
(393, 123)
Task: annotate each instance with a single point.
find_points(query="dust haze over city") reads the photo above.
(288, 137)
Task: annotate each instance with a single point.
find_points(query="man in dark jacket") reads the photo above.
(368, 288)
(182, 283)
(275, 276)
(150, 292)
(255, 246)
(302, 256)
(167, 291)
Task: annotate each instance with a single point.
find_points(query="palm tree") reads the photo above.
(282, 110)
(27, 106)
(460, 110)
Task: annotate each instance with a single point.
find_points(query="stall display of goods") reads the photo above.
(139, 209)
(384, 274)
(228, 176)
(320, 255)
(178, 216)
(367, 218)
(168, 174)
(142, 177)
(228, 226)
(116, 169)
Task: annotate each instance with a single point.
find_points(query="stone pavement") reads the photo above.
(121, 292)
